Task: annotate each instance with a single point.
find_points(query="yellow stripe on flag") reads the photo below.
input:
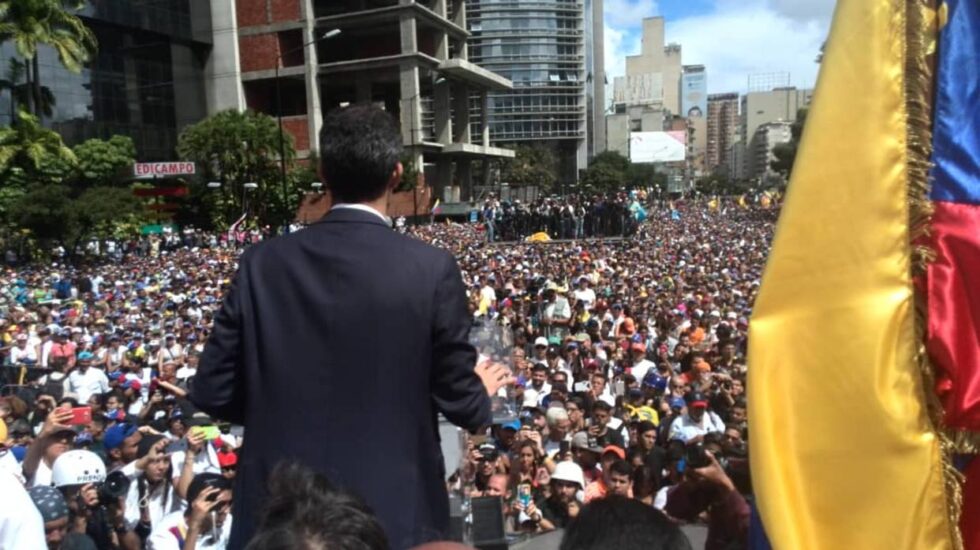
(843, 452)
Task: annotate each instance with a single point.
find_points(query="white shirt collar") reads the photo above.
(362, 208)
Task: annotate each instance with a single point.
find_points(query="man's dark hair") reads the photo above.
(621, 467)
(304, 511)
(360, 146)
(617, 523)
(601, 405)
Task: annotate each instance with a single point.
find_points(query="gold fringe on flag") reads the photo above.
(921, 36)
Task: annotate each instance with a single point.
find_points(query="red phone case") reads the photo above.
(81, 416)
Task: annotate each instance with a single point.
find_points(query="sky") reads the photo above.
(731, 38)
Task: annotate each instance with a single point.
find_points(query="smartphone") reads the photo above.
(619, 388)
(210, 433)
(81, 416)
(524, 494)
(478, 439)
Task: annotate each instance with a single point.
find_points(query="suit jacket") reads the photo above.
(336, 346)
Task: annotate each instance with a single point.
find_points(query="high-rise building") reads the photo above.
(694, 108)
(541, 47)
(595, 80)
(648, 96)
(147, 81)
(778, 104)
(410, 58)
(723, 130)
(760, 150)
(758, 108)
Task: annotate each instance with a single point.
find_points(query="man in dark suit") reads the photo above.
(337, 345)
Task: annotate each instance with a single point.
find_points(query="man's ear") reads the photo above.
(396, 176)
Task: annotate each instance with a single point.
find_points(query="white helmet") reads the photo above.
(77, 468)
(570, 472)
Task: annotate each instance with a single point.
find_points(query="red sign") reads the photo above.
(163, 169)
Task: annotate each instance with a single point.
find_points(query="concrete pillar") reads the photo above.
(443, 177)
(441, 108)
(464, 177)
(442, 38)
(461, 113)
(459, 18)
(222, 70)
(484, 119)
(314, 111)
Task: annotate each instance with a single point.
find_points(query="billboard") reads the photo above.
(641, 89)
(658, 146)
(694, 94)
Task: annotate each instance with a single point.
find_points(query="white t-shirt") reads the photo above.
(42, 476)
(21, 526)
(586, 295)
(155, 501)
(84, 384)
(162, 538)
(641, 369)
(16, 354)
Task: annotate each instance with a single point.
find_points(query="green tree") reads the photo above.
(57, 214)
(644, 175)
(785, 153)
(29, 151)
(53, 23)
(531, 165)
(236, 148)
(104, 162)
(607, 172)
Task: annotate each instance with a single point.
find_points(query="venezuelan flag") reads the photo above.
(844, 452)
(954, 276)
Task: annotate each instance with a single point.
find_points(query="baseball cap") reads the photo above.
(512, 425)
(616, 450)
(581, 441)
(115, 435)
(541, 341)
(677, 403)
(696, 399)
(487, 450)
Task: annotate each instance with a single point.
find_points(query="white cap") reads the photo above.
(77, 468)
(540, 341)
(570, 472)
(732, 315)
(715, 313)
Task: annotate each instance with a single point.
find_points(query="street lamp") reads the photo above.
(317, 186)
(214, 185)
(282, 142)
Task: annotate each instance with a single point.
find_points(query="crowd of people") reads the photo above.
(629, 355)
(631, 368)
(572, 217)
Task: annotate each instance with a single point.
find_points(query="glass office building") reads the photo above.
(539, 45)
(147, 80)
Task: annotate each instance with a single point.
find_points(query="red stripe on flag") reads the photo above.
(953, 338)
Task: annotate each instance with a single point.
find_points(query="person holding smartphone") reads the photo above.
(206, 522)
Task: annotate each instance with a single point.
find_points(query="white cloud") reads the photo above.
(733, 44)
(736, 39)
(627, 13)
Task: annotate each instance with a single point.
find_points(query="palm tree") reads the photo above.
(21, 90)
(29, 23)
(26, 146)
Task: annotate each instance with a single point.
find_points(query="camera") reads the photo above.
(115, 486)
(696, 457)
